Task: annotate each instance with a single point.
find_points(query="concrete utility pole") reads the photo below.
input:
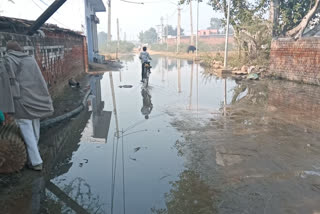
(118, 34)
(197, 36)
(158, 33)
(227, 37)
(109, 22)
(191, 24)
(167, 32)
(179, 29)
(162, 34)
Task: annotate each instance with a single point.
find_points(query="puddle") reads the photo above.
(185, 145)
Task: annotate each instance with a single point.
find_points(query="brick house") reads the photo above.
(208, 32)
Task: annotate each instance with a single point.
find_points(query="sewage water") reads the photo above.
(191, 142)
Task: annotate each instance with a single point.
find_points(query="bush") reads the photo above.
(124, 47)
(203, 47)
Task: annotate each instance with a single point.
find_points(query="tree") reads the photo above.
(292, 18)
(149, 36)
(173, 31)
(140, 36)
(251, 29)
(215, 23)
(185, 194)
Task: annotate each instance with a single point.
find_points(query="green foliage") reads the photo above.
(203, 47)
(124, 47)
(172, 31)
(189, 195)
(291, 14)
(216, 23)
(251, 30)
(150, 36)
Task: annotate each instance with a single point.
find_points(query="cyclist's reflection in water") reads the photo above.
(147, 104)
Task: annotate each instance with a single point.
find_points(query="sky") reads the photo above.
(133, 18)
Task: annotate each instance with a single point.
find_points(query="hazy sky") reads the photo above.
(132, 17)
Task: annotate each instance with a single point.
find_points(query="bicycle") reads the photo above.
(146, 73)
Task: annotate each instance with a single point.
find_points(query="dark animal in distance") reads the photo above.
(191, 48)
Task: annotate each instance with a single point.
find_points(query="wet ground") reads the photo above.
(189, 143)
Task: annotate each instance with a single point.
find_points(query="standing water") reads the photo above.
(191, 142)
(128, 157)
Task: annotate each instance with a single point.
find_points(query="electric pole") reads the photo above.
(179, 29)
(109, 21)
(191, 24)
(167, 32)
(227, 38)
(118, 34)
(197, 36)
(162, 34)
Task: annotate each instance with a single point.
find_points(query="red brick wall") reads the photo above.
(296, 60)
(60, 55)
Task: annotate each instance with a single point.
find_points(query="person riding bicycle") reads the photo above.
(145, 58)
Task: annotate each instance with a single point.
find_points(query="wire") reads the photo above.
(44, 2)
(132, 2)
(51, 17)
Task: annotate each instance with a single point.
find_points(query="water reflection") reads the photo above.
(115, 112)
(100, 119)
(181, 162)
(74, 197)
(191, 86)
(147, 103)
(179, 75)
(189, 194)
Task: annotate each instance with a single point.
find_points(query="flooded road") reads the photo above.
(189, 143)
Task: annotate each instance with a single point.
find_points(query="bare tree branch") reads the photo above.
(297, 32)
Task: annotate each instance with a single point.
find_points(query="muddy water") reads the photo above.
(189, 143)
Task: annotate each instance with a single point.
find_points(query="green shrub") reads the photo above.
(124, 47)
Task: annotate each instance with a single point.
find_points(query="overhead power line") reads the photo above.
(132, 2)
(51, 17)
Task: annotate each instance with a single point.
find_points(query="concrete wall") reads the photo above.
(91, 8)
(60, 55)
(296, 60)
